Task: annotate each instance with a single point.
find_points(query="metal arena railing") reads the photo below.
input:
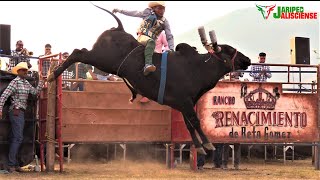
(302, 78)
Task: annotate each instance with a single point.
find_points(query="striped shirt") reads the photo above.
(16, 59)
(66, 75)
(19, 90)
(45, 67)
(82, 70)
(256, 70)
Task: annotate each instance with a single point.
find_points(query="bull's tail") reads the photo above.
(120, 26)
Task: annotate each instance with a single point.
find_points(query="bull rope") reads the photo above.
(126, 58)
(163, 77)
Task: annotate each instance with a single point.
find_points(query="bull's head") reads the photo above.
(234, 59)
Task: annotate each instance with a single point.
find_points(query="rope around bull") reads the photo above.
(126, 58)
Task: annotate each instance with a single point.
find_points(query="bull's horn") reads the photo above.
(214, 41)
(120, 26)
(202, 35)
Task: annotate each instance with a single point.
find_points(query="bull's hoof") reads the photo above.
(133, 97)
(144, 100)
(201, 151)
(131, 101)
(50, 77)
(209, 146)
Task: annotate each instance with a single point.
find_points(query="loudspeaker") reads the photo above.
(300, 50)
(5, 39)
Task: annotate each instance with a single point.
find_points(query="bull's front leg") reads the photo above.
(193, 135)
(196, 125)
(76, 56)
(193, 124)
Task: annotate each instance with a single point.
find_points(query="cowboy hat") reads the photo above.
(21, 65)
(156, 3)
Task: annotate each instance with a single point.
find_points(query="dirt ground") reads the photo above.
(118, 169)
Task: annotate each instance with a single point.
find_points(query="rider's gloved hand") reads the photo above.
(116, 10)
(169, 50)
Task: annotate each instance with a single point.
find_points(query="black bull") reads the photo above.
(189, 74)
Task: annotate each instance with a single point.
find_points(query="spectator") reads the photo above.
(19, 97)
(221, 156)
(19, 55)
(46, 62)
(161, 43)
(97, 74)
(237, 155)
(260, 73)
(235, 76)
(82, 70)
(66, 85)
(216, 156)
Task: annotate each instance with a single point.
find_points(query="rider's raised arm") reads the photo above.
(169, 35)
(141, 14)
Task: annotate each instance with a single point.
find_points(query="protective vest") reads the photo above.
(152, 26)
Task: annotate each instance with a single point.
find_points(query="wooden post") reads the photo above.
(51, 119)
(168, 155)
(317, 156)
(193, 158)
(181, 148)
(172, 160)
(317, 147)
(77, 70)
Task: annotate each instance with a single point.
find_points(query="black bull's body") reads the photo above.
(189, 74)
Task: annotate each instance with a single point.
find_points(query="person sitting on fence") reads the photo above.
(19, 55)
(66, 85)
(82, 70)
(46, 62)
(97, 74)
(19, 90)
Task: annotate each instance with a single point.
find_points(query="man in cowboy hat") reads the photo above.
(19, 89)
(152, 25)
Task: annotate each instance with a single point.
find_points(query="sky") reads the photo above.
(68, 25)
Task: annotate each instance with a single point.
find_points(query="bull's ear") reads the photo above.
(226, 48)
(230, 50)
(217, 49)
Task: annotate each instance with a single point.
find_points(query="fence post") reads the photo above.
(51, 121)
(317, 147)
